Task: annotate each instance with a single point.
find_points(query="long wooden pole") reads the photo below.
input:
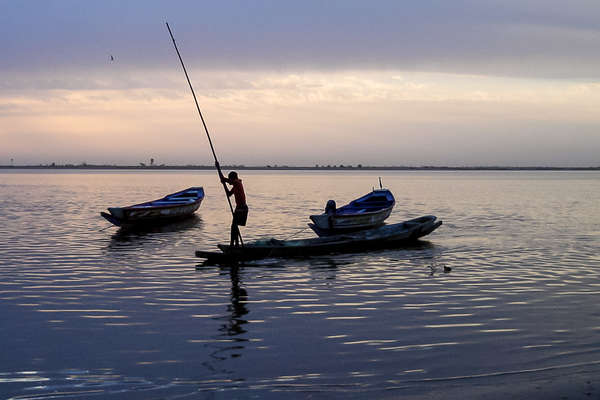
(217, 165)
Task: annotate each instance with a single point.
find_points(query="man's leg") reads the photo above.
(233, 236)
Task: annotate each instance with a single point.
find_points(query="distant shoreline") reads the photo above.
(293, 168)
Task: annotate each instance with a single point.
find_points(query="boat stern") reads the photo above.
(322, 221)
(117, 212)
(110, 218)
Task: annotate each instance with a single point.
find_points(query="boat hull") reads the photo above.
(174, 206)
(325, 225)
(383, 237)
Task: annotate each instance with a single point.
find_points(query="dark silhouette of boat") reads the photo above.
(386, 236)
(173, 206)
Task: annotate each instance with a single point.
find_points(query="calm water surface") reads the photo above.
(89, 313)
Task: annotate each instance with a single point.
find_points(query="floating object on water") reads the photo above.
(387, 236)
(176, 205)
(433, 268)
(366, 212)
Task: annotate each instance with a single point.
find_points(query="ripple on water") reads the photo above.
(92, 313)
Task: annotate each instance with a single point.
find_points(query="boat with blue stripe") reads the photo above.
(366, 212)
(173, 206)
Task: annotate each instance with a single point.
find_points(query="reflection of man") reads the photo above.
(240, 214)
(239, 298)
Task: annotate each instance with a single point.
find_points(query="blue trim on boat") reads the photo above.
(182, 197)
(371, 202)
(176, 205)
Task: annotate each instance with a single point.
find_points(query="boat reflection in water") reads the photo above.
(165, 231)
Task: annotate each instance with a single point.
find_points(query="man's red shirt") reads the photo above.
(238, 192)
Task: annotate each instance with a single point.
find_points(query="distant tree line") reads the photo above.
(141, 165)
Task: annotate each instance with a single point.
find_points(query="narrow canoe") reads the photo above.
(173, 206)
(365, 212)
(387, 236)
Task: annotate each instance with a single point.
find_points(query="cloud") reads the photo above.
(354, 116)
(532, 38)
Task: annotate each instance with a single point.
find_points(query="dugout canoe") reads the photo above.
(366, 212)
(387, 236)
(173, 206)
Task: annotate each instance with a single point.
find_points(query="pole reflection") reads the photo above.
(237, 309)
(231, 341)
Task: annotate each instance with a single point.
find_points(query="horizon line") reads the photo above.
(142, 166)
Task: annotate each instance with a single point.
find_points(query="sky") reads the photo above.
(427, 82)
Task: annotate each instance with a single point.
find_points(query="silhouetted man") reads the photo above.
(240, 214)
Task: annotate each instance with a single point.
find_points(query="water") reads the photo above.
(91, 313)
